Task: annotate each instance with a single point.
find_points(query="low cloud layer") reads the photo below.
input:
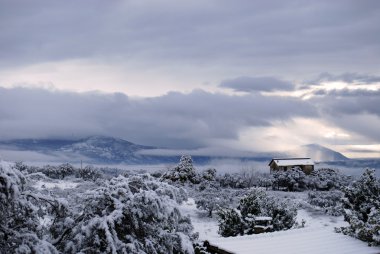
(178, 120)
(173, 120)
(256, 84)
(348, 77)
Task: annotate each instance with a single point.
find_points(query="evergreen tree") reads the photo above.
(183, 172)
(230, 223)
(362, 208)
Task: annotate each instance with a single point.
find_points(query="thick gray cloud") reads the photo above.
(282, 37)
(349, 102)
(255, 84)
(187, 40)
(173, 120)
(353, 110)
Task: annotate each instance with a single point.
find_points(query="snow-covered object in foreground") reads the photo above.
(130, 215)
(278, 214)
(362, 208)
(18, 216)
(321, 240)
(328, 201)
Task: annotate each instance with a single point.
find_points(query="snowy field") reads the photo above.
(317, 237)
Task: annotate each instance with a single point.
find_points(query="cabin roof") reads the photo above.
(291, 161)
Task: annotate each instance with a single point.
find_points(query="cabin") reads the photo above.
(284, 164)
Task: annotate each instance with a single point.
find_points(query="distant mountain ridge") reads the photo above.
(110, 150)
(318, 153)
(102, 149)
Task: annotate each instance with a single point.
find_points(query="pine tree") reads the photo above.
(361, 208)
(183, 172)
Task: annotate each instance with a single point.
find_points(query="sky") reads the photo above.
(207, 75)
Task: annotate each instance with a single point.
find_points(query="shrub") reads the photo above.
(329, 201)
(327, 179)
(88, 173)
(212, 199)
(254, 206)
(230, 223)
(362, 208)
(183, 172)
(291, 180)
(19, 228)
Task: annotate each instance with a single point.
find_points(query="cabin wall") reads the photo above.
(307, 169)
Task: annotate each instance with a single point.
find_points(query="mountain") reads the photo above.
(109, 150)
(318, 153)
(100, 149)
(106, 149)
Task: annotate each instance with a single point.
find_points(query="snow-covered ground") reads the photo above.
(316, 237)
(61, 184)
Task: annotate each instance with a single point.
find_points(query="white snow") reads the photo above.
(294, 162)
(306, 240)
(62, 184)
(317, 237)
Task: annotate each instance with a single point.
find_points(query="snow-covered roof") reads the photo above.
(292, 161)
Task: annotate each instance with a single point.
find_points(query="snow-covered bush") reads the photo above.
(266, 182)
(183, 172)
(291, 180)
(361, 205)
(55, 172)
(129, 216)
(230, 222)
(236, 181)
(327, 179)
(19, 228)
(211, 199)
(258, 203)
(329, 201)
(253, 208)
(20, 166)
(124, 215)
(209, 174)
(88, 173)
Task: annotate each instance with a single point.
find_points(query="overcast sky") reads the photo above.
(248, 75)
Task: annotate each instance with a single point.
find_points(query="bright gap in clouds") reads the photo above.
(361, 151)
(290, 135)
(86, 75)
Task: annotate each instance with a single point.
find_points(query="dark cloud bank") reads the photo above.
(174, 120)
(260, 36)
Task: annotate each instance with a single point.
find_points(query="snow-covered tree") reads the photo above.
(230, 222)
(137, 214)
(327, 179)
(183, 172)
(211, 199)
(236, 181)
(329, 201)
(129, 216)
(292, 180)
(19, 227)
(258, 203)
(252, 209)
(88, 173)
(209, 174)
(361, 204)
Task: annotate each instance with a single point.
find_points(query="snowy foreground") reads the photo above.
(316, 237)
